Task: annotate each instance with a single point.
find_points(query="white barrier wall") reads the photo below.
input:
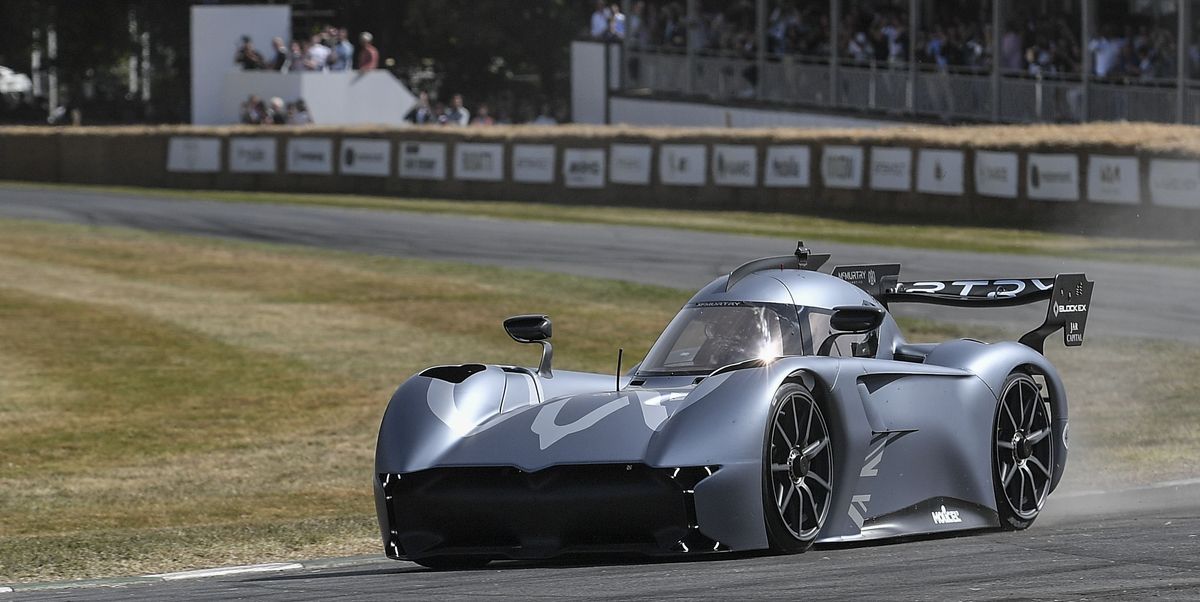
(332, 97)
(216, 34)
(921, 174)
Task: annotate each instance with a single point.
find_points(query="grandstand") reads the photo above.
(920, 59)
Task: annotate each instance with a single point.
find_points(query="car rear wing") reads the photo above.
(1070, 296)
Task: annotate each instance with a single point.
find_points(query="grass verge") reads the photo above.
(171, 402)
(1180, 253)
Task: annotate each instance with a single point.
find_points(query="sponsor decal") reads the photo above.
(310, 156)
(533, 163)
(583, 167)
(1074, 334)
(629, 164)
(870, 468)
(1069, 309)
(1053, 177)
(891, 168)
(1175, 183)
(786, 166)
(252, 155)
(423, 160)
(194, 155)
(735, 165)
(480, 162)
(1113, 179)
(944, 516)
(841, 166)
(366, 157)
(681, 164)
(940, 172)
(988, 289)
(996, 174)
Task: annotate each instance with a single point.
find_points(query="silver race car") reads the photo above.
(780, 407)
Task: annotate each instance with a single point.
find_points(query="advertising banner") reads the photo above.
(310, 155)
(533, 163)
(583, 167)
(365, 157)
(473, 161)
(1113, 180)
(681, 164)
(193, 155)
(940, 171)
(996, 174)
(1175, 183)
(252, 155)
(422, 160)
(786, 167)
(842, 166)
(629, 164)
(1052, 177)
(891, 168)
(735, 165)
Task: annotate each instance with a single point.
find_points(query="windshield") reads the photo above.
(707, 336)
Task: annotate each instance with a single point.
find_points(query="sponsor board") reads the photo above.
(1175, 183)
(786, 167)
(940, 172)
(365, 157)
(422, 160)
(735, 165)
(891, 168)
(1113, 180)
(583, 167)
(1052, 177)
(533, 163)
(629, 164)
(996, 174)
(842, 166)
(310, 155)
(193, 155)
(474, 161)
(681, 164)
(252, 155)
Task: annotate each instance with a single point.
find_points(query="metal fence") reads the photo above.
(894, 89)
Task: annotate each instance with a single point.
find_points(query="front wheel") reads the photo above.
(1024, 452)
(797, 470)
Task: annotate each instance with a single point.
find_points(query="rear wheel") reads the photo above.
(1024, 452)
(797, 470)
(453, 563)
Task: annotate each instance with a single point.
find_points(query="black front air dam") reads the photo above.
(504, 512)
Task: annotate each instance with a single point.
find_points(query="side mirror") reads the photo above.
(855, 319)
(533, 328)
(851, 319)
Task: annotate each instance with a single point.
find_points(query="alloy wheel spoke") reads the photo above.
(1021, 503)
(795, 418)
(783, 434)
(1037, 400)
(779, 467)
(822, 482)
(1008, 411)
(1036, 437)
(1005, 444)
(1040, 466)
(814, 448)
(812, 500)
(808, 426)
(1032, 485)
(1006, 474)
(787, 498)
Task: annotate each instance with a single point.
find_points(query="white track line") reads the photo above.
(5, 590)
(230, 570)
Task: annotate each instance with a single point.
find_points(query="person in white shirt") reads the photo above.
(457, 114)
(600, 20)
(1107, 51)
(318, 55)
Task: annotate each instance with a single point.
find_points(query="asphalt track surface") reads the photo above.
(1129, 299)
(1134, 544)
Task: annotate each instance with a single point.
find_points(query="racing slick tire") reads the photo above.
(1023, 455)
(797, 470)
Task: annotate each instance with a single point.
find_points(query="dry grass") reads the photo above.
(171, 402)
(1167, 139)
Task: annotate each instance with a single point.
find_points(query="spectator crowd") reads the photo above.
(1036, 38)
(328, 50)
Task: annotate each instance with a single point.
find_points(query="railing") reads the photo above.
(952, 94)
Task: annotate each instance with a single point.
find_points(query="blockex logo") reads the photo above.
(1069, 309)
(945, 516)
